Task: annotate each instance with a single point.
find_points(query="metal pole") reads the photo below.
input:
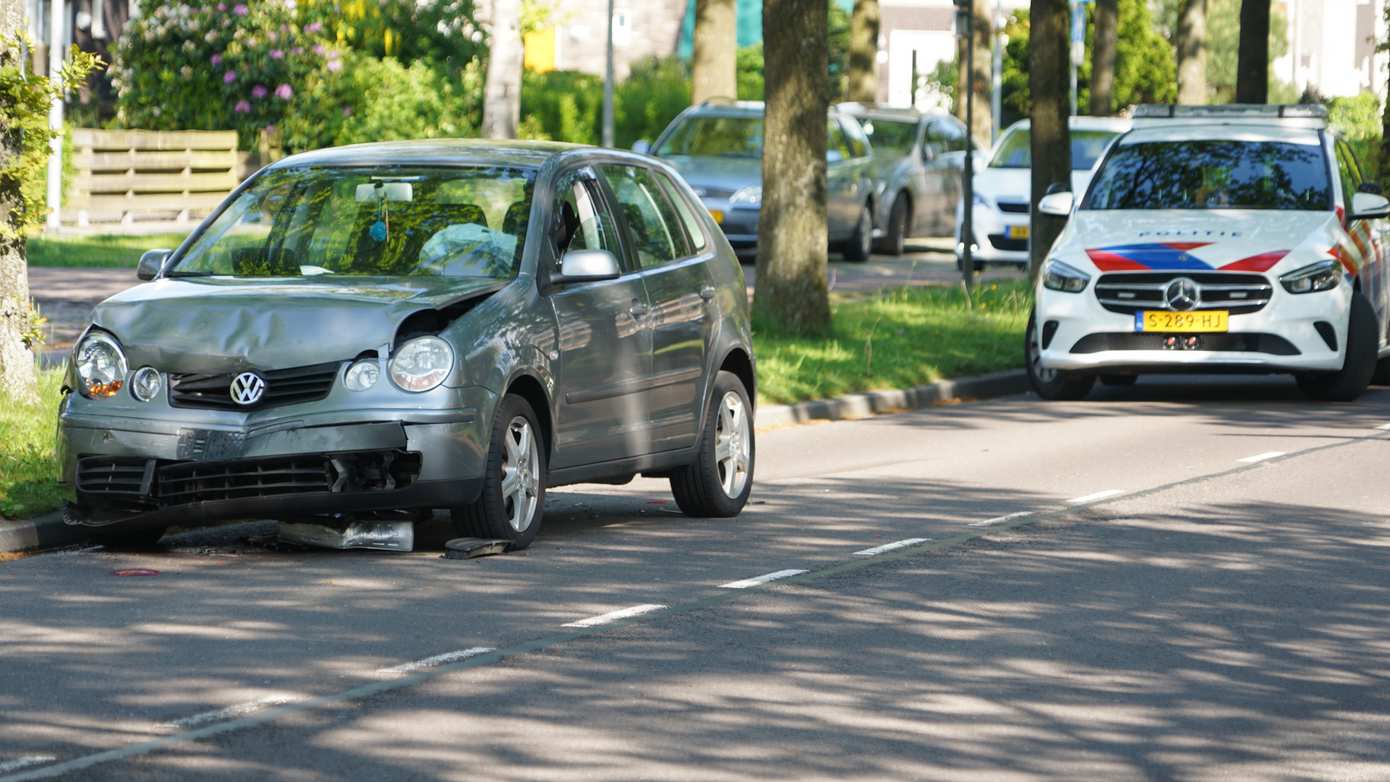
(967, 231)
(608, 83)
(56, 25)
(912, 90)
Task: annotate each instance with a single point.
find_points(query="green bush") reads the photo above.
(562, 106)
(1358, 121)
(650, 97)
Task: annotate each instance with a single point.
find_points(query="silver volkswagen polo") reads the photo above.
(413, 326)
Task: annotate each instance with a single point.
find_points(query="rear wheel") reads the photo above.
(513, 497)
(718, 482)
(860, 243)
(1359, 365)
(894, 239)
(1051, 384)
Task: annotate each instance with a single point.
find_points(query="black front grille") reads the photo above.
(1271, 344)
(209, 482)
(116, 476)
(1002, 242)
(1014, 207)
(1131, 292)
(282, 387)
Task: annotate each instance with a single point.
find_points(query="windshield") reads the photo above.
(1015, 150)
(715, 136)
(377, 221)
(1213, 175)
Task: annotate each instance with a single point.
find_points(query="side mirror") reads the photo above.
(1369, 206)
(642, 146)
(1057, 204)
(151, 264)
(588, 266)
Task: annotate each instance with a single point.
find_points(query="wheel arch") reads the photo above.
(531, 389)
(739, 362)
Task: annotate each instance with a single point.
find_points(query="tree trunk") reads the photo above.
(863, 52)
(16, 361)
(1190, 41)
(982, 128)
(1252, 66)
(1103, 58)
(791, 290)
(502, 92)
(1049, 81)
(714, 67)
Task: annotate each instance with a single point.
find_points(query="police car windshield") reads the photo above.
(1213, 174)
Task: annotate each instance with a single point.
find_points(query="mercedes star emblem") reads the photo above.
(247, 388)
(1181, 294)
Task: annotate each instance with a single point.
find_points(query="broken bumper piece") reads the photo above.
(371, 535)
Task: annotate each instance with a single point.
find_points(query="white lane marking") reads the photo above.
(235, 710)
(1001, 519)
(438, 659)
(869, 552)
(763, 579)
(1086, 499)
(1262, 457)
(25, 762)
(613, 616)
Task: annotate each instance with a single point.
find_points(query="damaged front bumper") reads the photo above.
(193, 470)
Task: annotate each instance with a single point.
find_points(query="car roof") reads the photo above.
(902, 113)
(719, 107)
(435, 152)
(1115, 124)
(1221, 131)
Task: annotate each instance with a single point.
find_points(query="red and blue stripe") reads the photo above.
(1173, 256)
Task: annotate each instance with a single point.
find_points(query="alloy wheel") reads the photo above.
(521, 473)
(733, 441)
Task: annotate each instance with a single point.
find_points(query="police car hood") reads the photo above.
(1251, 240)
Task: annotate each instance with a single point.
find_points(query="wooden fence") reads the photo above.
(130, 177)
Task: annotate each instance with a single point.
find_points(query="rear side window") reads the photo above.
(653, 224)
(893, 138)
(1213, 174)
(858, 142)
(694, 227)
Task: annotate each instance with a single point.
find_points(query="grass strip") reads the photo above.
(106, 251)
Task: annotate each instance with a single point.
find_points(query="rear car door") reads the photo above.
(604, 345)
(673, 262)
(1367, 239)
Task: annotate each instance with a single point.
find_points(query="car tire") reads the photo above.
(860, 243)
(1054, 385)
(1359, 365)
(713, 486)
(512, 500)
(1382, 374)
(894, 240)
(1118, 381)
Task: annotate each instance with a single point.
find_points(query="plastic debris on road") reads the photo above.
(370, 535)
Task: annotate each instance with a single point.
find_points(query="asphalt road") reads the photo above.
(1183, 580)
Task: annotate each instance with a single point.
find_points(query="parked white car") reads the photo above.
(1004, 185)
(1217, 239)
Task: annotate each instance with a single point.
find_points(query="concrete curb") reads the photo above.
(852, 406)
(45, 532)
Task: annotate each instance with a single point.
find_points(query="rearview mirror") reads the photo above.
(1057, 204)
(588, 266)
(151, 264)
(1369, 206)
(641, 146)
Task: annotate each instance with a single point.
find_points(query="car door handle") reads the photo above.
(707, 292)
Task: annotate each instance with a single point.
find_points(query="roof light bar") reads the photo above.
(1230, 111)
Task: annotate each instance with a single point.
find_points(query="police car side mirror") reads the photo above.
(1369, 206)
(1057, 204)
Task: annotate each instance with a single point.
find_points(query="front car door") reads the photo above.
(604, 344)
(673, 262)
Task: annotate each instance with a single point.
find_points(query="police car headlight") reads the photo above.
(1058, 276)
(101, 365)
(421, 364)
(747, 196)
(1320, 276)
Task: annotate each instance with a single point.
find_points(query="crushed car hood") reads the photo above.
(1193, 239)
(221, 324)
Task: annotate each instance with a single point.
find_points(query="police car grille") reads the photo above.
(1133, 292)
(282, 387)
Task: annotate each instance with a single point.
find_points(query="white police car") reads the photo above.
(1211, 239)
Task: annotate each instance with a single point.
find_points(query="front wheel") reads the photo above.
(513, 497)
(894, 239)
(718, 482)
(1348, 383)
(1051, 384)
(860, 243)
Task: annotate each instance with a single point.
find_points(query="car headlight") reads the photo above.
(747, 196)
(146, 384)
(421, 364)
(101, 366)
(1320, 276)
(362, 375)
(1058, 276)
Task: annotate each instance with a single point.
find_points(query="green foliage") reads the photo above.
(25, 98)
(750, 72)
(562, 105)
(838, 43)
(443, 33)
(1145, 69)
(941, 81)
(1358, 120)
(656, 90)
(1223, 46)
(28, 461)
(105, 251)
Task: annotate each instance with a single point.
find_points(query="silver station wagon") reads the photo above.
(403, 327)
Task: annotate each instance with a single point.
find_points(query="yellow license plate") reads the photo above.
(1016, 232)
(717, 215)
(1200, 322)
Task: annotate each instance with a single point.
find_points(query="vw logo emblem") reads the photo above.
(247, 388)
(1181, 294)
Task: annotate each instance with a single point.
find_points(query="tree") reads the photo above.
(502, 90)
(863, 52)
(1252, 69)
(714, 61)
(983, 40)
(792, 294)
(1190, 41)
(1049, 84)
(1103, 57)
(16, 361)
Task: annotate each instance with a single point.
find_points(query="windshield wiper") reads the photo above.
(177, 274)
